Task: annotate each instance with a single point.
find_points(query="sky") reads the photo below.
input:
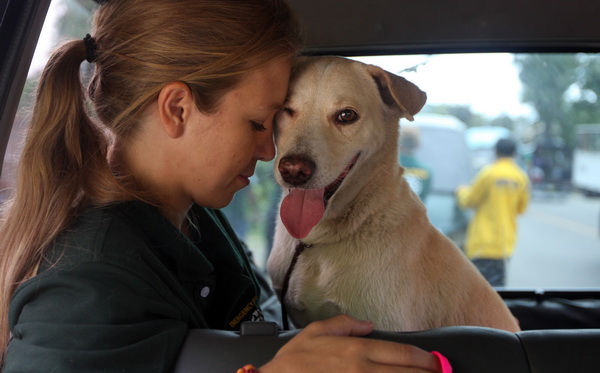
(47, 38)
(489, 83)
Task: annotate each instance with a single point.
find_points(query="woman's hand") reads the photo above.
(330, 346)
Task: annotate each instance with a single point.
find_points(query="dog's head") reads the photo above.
(340, 117)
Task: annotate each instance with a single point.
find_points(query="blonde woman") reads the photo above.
(111, 247)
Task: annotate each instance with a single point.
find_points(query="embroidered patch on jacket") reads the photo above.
(250, 312)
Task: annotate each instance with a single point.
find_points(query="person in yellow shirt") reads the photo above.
(499, 193)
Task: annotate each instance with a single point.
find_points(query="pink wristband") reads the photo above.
(444, 363)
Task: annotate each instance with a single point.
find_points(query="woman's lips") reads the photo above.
(244, 179)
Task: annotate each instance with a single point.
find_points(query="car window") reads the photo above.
(546, 102)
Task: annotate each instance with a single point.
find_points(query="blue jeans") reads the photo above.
(494, 270)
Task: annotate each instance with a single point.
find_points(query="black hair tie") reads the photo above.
(90, 48)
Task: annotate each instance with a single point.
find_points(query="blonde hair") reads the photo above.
(141, 46)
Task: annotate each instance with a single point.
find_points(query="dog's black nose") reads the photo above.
(296, 170)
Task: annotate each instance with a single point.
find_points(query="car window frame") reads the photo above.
(20, 27)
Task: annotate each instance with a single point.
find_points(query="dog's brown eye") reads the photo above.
(347, 116)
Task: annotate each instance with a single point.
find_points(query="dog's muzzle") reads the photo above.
(302, 209)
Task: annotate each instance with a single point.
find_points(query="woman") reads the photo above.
(111, 247)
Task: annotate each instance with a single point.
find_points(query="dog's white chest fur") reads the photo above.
(323, 285)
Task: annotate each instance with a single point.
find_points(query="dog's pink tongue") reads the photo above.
(301, 210)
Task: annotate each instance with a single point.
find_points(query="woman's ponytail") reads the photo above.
(61, 148)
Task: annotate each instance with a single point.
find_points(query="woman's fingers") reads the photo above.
(390, 353)
(333, 346)
(379, 352)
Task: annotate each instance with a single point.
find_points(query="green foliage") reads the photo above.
(75, 22)
(563, 89)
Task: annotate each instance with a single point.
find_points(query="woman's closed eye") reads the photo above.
(257, 126)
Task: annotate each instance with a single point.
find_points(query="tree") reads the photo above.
(75, 23)
(585, 104)
(546, 79)
(564, 89)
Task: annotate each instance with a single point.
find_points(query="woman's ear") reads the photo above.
(175, 106)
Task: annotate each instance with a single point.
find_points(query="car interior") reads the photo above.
(560, 321)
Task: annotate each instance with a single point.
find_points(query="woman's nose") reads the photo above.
(265, 147)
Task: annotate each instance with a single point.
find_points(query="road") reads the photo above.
(558, 245)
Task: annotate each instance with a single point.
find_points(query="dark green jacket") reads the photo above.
(121, 286)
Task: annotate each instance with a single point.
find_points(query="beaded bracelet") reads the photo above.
(247, 369)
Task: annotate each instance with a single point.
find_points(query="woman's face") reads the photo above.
(226, 144)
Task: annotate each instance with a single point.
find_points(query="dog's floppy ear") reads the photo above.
(397, 91)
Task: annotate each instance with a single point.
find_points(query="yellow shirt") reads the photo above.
(499, 193)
